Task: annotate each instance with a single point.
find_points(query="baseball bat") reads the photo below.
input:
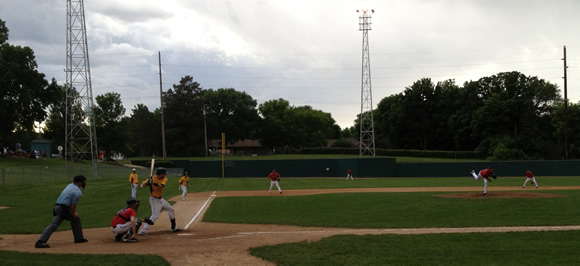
(151, 172)
(152, 166)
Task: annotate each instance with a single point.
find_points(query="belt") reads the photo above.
(157, 197)
(62, 205)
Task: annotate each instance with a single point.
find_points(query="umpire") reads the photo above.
(66, 209)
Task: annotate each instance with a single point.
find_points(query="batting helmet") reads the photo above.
(161, 170)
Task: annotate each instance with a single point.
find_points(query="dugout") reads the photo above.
(42, 146)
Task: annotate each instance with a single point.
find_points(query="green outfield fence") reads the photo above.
(370, 167)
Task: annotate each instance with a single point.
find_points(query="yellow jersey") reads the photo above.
(157, 191)
(184, 180)
(133, 178)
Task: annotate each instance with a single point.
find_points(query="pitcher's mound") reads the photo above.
(499, 195)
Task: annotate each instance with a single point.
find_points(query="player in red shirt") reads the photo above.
(530, 176)
(349, 174)
(274, 178)
(484, 174)
(125, 223)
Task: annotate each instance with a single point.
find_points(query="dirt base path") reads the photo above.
(227, 244)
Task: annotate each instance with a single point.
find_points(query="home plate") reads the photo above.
(185, 234)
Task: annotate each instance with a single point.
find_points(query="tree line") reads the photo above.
(504, 116)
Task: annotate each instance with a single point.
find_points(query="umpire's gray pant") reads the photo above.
(61, 213)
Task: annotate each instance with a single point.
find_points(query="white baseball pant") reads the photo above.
(183, 191)
(157, 204)
(134, 190)
(478, 177)
(121, 229)
(533, 179)
(272, 183)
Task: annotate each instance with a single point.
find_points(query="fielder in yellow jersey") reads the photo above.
(134, 181)
(183, 185)
(156, 184)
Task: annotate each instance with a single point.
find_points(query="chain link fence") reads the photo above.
(30, 175)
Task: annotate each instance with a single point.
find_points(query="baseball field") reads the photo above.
(315, 221)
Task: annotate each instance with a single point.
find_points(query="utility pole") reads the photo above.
(565, 106)
(161, 108)
(80, 130)
(367, 135)
(205, 130)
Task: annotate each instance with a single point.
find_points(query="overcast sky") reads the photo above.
(308, 52)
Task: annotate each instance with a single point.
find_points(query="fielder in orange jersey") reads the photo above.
(156, 184)
(530, 177)
(484, 174)
(274, 177)
(134, 181)
(183, 185)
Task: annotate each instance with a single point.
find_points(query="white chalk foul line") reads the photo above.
(200, 210)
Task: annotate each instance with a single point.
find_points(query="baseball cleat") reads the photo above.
(82, 240)
(523, 187)
(280, 192)
(142, 233)
(40, 244)
(176, 230)
(484, 193)
(472, 172)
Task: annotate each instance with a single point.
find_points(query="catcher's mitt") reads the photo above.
(148, 221)
(494, 176)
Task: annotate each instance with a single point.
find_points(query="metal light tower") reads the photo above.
(81, 137)
(367, 135)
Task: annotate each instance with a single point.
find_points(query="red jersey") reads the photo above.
(486, 172)
(529, 174)
(123, 216)
(274, 176)
(349, 172)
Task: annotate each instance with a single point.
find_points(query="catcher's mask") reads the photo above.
(82, 179)
(134, 201)
(161, 170)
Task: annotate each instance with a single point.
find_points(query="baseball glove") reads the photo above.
(148, 221)
(494, 176)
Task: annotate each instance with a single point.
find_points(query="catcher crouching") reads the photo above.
(125, 224)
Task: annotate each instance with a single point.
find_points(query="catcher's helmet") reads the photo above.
(161, 170)
(131, 201)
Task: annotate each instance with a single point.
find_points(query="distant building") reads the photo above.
(242, 147)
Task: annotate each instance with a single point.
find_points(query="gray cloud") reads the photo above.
(307, 52)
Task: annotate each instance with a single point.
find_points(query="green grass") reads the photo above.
(517, 248)
(20, 258)
(31, 206)
(231, 184)
(20, 162)
(31, 209)
(396, 210)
